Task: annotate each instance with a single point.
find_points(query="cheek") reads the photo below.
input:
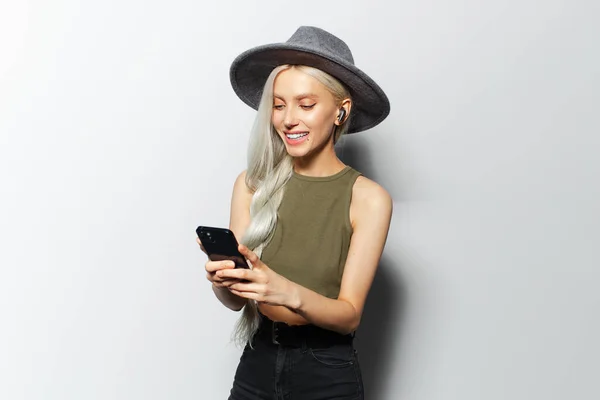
(318, 121)
(276, 119)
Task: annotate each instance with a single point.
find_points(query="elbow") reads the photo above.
(353, 326)
(349, 328)
(353, 322)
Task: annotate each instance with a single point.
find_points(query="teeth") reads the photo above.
(296, 135)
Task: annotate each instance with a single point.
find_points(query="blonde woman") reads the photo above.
(312, 227)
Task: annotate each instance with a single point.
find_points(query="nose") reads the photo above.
(290, 119)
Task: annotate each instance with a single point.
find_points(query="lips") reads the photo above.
(297, 135)
(294, 138)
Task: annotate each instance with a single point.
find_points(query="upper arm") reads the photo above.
(371, 213)
(239, 217)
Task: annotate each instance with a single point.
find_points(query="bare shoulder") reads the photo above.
(240, 186)
(242, 176)
(369, 197)
(239, 217)
(367, 193)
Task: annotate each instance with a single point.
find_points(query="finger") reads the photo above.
(225, 282)
(246, 286)
(213, 266)
(247, 295)
(213, 278)
(230, 282)
(238, 273)
(219, 281)
(249, 254)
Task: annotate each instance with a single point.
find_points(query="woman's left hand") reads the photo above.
(260, 283)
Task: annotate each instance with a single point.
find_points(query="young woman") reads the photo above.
(312, 228)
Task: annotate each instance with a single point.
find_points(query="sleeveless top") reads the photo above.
(312, 236)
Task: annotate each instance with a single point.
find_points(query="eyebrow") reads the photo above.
(300, 96)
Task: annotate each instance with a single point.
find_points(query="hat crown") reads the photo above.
(312, 37)
(319, 49)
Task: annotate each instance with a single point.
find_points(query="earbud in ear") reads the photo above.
(341, 115)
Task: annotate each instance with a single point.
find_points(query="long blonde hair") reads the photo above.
(269, 168)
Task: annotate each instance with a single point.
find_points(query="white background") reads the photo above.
(119, 133)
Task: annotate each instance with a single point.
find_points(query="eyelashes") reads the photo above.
(304, 107)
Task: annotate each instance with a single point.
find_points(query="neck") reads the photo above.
(324, 163)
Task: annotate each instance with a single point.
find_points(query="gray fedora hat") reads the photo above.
(317, 48)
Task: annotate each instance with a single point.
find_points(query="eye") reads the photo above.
(308, 107)
(278, 107)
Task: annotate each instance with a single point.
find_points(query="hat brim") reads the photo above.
(250, 70)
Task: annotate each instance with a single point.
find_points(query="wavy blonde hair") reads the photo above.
(269, 168)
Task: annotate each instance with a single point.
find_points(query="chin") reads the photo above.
(296, 152)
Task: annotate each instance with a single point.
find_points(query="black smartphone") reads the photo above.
(220, 244)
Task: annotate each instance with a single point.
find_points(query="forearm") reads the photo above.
(229, 299)
(282, 314)
(333, 314)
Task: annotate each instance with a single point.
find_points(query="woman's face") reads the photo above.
(304, 112)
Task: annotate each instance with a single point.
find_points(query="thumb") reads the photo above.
(251, 256)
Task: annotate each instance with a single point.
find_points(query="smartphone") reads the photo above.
(220, 244)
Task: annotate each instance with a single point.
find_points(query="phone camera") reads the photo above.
(209, 237)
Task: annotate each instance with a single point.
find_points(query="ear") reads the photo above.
(347, 106)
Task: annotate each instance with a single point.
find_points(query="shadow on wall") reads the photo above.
(379, 333)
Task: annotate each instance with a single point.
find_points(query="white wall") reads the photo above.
(120, 133)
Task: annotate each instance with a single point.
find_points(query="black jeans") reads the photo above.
(300, 371)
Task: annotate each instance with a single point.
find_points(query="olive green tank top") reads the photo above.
(312, 237)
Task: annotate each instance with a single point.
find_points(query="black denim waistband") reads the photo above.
(312, 336)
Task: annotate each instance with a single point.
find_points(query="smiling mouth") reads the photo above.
(295, 136)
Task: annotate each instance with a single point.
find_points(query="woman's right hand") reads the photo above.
(213, 266)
